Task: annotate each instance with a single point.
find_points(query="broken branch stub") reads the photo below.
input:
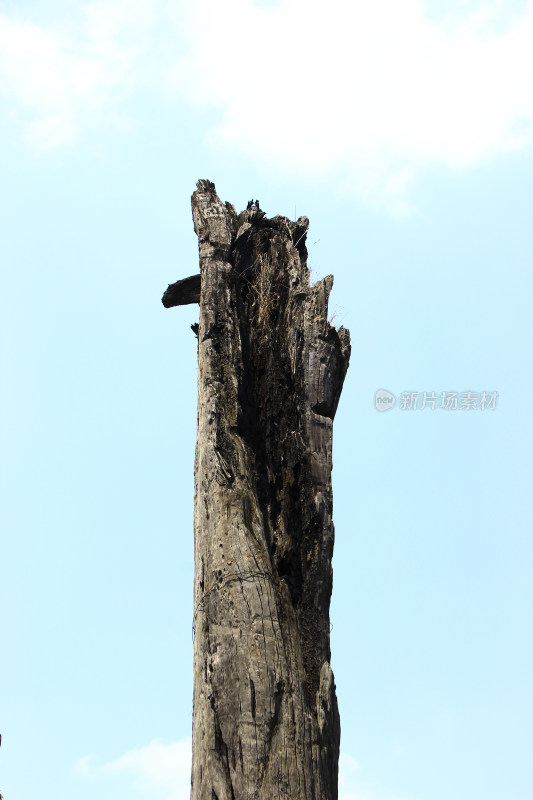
(182, 292)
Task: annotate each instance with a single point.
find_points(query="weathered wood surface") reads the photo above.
(271, 369)
(183, 293)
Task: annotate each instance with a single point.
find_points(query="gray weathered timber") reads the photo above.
(270, 373)
(182, 292)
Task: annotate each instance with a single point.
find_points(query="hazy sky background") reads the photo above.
(403, 129)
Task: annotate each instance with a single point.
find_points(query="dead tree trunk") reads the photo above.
(270, 373)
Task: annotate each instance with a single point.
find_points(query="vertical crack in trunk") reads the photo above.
(270, 373)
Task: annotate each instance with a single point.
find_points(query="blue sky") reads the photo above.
(404, 132)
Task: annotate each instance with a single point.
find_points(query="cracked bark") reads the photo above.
(270, 373)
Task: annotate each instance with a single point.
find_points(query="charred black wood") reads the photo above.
(182, 292)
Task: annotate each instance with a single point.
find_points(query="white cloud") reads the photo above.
(362, 791)
(158, 771)
(351, 787)
(365, 96)
(162, 772)
(62, 80)
(368, 93)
